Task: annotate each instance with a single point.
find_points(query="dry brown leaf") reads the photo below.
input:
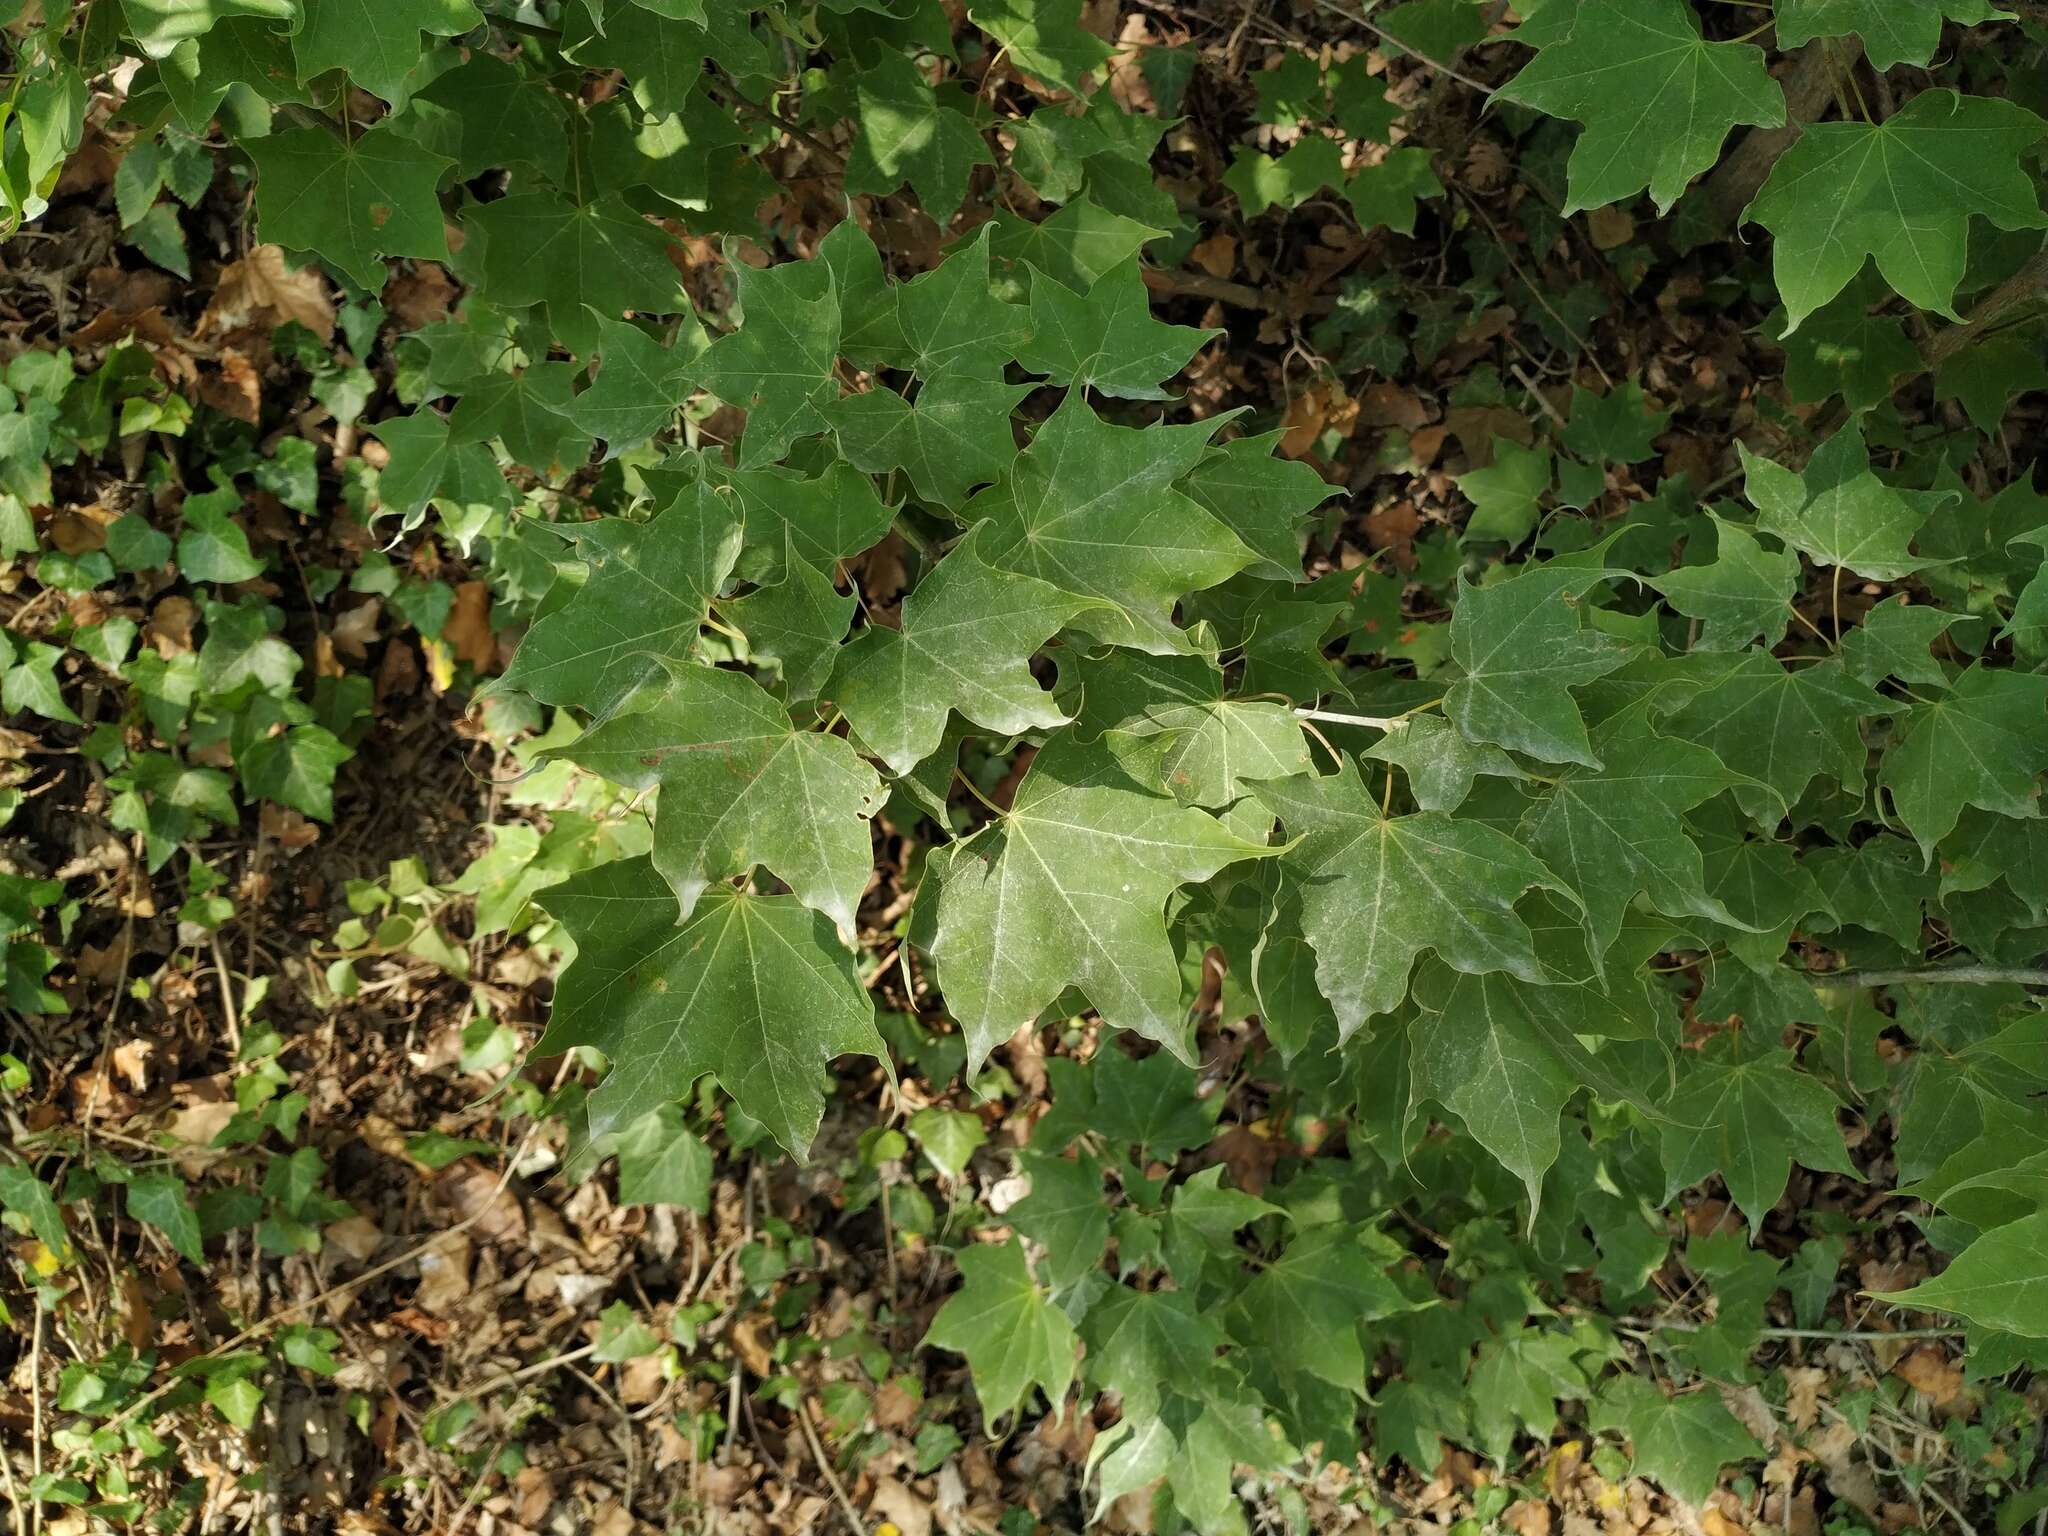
(1803, 1390)
(420, 296)
(748, 1345)
(354, 1237)
(896, 1505)
(170, 627)
(1389, 405)
(1930, 1371)
(1216, 255)
(1610, 227)
(236, 390)
(260, 285)
(355, 628)
(80, 530)
(474, 1194)
(468, 627)
(444, 1274)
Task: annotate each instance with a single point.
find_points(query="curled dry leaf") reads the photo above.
(261, 290)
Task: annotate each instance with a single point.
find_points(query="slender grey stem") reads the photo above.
(1939, 976)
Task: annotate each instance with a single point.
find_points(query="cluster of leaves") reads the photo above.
(1568, 838)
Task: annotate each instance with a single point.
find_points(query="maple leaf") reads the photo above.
(954, 437)
(2000, 1281)
(1440, 764)
(953, 323)
(1045, 38)
(1014, 1338)
(967, 637)
(909, 131)
(797, 622)
(1091, 509)
(1838, 512)
(824, 518)
(576, 258)
(1892, 34)
(1746, 1114)
(377, 42)
(1167, 721)
(1616, 831)
(1681, 1442)
(1523, 644)
(1833, 198)
(740, 787)
(1262, 498)
(649, 586)
(1982, 743)
(1657, 100)
(639, 383)
(777, 366)
(352, 201)
(501, 118)
(1786, 725)
(1069, 888)
(1106, 339)
(1303, 1311)
(754, 990)
(1378, 891)
(1745, 592)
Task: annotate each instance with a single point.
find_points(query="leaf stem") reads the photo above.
(1937, 976)
(1337, 717)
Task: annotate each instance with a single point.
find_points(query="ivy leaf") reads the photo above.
(1014, 1338)
(1656, 99)
(1069, 888)
(213, 546)
(1892, 34)
(1384, 195)
(954, 437)
(1833, 198)
(1440, 764)
(906, 130)
(1378, 891)
(1523, 644)
(1679, 1442)
(1746, 591)
(1838, 512)
(352, 201)
(1262, 498)
(741, 787)
(1786, 725)
(1999, 1281)
(29, 1197)
(377, 42)
(1506, 493)
(797, 622)
(966, 641)
(1285, 181)
(1617, 831)
(159, 1200)
(825, 519)
(1106, 339)
(777, 366)
(1044, 38)
(1747, 1115)
(575, 258)
(1091, 509)
(1615, 428)
(649, 587)
(1169, 725)
(754, 990)
(638, 385)
(1982, 743)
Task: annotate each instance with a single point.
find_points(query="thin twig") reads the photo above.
(35, 1398)
(803, 1417)
(1406, 47)
(1938, 976)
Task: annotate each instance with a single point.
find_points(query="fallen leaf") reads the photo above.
(170, 627)
(1928, 1370)
(468, 627)
(236, 390)
(260, 284)
(475, 1194)
(896, 1504)
(444, 1274)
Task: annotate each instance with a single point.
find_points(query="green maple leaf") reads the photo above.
(1285, 181)
(639, 383)
(1838, 512)
(1656, 99)
(1165, 718)
(1069, 888)
(501, 118)
(741, 787)
(825, 519)
(1878, 885)
(777, 366)
(526, 411)
(1833, 198)
(1142, 1344)
(1848, 347)
(1516, 1382)
(1999, 1281)
(575, 258)
(1679, 1442)
(1747, 1115)
(868, 327)
(1786, 725)
(1385, 195)
(1764, 883)
(1895, 639)
(662, 1163)
(1149, 1103)
(1996, 369)
(1506, 493)
(906, 130)
(1302, 1312)
(1985, 848)
(1982, 743)
(1746, 591)
(1014, 1338)
(376, 41)
(1044, 38)
(1092, 509)
(1892, 34)
(797, 622)
(1615, 428)
(1076, 246)
(952, 321)
(649, 587)
(1262, 498)
(159, 26)
(1106, 339)
(1065, 1214)
(354, 202)
(954, 437)
(1617, 831)
(965, 644)
(1523, 645)
(1379, 891)
(754, 990)
(1439, 763)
